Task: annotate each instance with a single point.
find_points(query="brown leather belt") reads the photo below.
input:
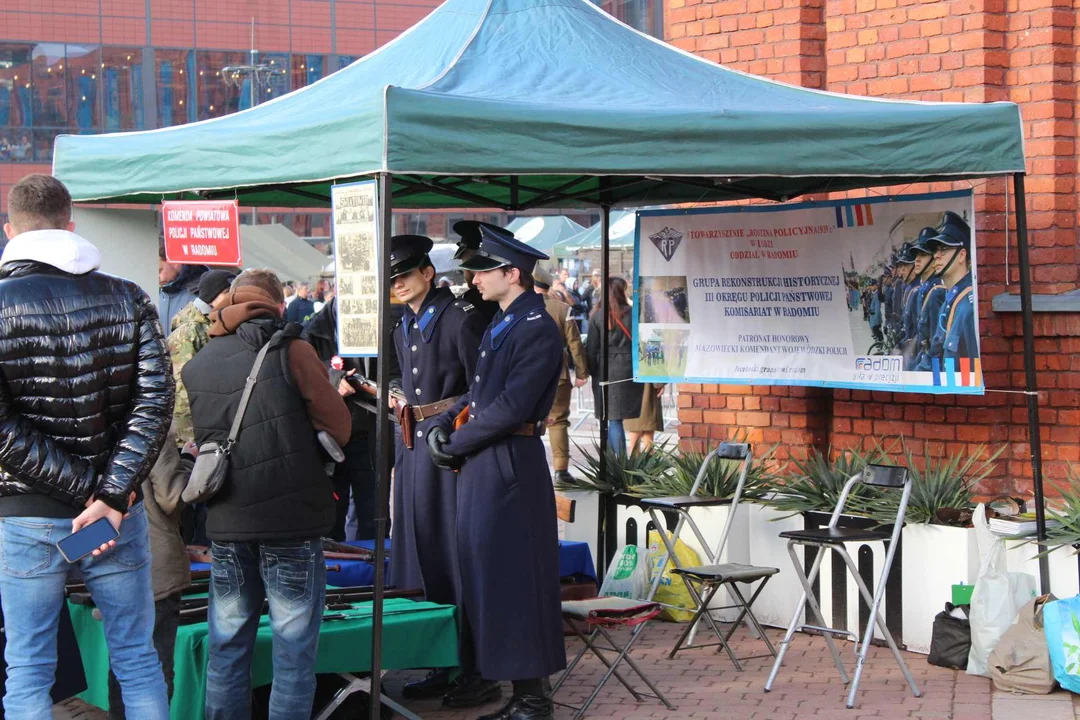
(425, 412)
(536, 429)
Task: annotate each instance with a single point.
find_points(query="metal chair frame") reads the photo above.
(873, 601)
(728, 451)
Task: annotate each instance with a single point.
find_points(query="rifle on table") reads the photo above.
(402, 415)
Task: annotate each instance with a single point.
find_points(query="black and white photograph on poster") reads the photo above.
(872, 293)
(356, 248)
(663, 299)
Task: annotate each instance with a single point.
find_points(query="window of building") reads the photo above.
(15, 97)
(644, 15)
(122, 89)
(273, 76)
(347, 60)
(84, 107)
(49, 86)
(174, 74)
(307, 69)
(223, 82)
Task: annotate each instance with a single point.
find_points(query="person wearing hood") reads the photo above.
(178, 285)
(86, 398)
(188, 336)
(267, 522)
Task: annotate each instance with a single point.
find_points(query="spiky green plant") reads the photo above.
(815, 482)
(945, 482)
(721, 477)
(1067, 512)
(622, 470)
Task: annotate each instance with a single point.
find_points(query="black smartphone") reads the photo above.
(78, 545)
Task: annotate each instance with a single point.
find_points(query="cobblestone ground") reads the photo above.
(703, 684)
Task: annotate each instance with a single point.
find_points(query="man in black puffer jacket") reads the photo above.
(86, 396)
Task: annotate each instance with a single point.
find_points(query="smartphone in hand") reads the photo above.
(78, 545)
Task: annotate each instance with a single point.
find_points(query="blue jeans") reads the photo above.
(291, 574)
(32, 576)
(616, 436)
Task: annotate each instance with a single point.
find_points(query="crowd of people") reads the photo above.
(107, 400)
(17, 150)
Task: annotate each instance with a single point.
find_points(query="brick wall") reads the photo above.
(1025, 51)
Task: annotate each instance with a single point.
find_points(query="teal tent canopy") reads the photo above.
(623, 224)
(527, 103)
(543, 232)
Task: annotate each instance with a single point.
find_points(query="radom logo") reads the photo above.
(667, 242)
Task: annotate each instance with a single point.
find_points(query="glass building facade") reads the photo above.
(118, 65)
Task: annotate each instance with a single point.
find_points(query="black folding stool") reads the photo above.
(712, 577)
(833, 537)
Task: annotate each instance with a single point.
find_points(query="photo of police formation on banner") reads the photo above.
(921, 303)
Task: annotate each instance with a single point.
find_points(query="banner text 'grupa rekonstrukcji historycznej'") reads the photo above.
(875, 293)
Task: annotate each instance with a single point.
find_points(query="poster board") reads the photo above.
(356, 262)
(807, 294)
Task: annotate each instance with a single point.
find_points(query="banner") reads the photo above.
(874, 293)
(356, 262)
(201, 232)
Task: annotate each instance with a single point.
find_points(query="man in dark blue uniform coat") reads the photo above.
(955, 336)
(923, 279)
(437, 342)
(507, 535)
(469, 232)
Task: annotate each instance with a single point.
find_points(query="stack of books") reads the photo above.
(1018, 525)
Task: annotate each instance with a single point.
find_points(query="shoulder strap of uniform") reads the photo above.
(929, 294)
(952, 311)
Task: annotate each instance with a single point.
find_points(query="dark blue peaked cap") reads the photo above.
(922, 243)
(407, 252)
(499, 248)
(953, 231)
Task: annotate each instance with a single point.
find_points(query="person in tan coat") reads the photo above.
(559, 419)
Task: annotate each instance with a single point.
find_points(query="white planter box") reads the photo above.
(776, 604)
(935, 558)
(1064, 576)
(586, 525)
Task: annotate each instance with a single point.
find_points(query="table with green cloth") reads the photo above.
(415, 635)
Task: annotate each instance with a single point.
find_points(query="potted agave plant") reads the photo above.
(1062, 540)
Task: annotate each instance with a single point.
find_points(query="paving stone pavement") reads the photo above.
(703, 684)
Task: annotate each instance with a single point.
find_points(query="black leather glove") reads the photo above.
(436, 439)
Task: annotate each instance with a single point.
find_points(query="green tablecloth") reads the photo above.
(415, 635)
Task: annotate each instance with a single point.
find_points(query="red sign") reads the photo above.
(202, 232)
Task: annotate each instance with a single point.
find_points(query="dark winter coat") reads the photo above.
(624, 397)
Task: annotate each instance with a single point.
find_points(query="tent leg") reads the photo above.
(383, 435)
(608, 507)
(1031, 382)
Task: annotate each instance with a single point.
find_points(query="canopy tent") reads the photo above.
(519, 104)
(622, 235)
(526, 103)
(278, 248)
(544, 231)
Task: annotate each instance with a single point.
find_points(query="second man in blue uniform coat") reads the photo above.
(437, 342)
(507, 529)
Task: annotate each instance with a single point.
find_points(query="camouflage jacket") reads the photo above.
(188, 335)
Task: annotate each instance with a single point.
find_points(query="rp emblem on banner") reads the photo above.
(667, 242)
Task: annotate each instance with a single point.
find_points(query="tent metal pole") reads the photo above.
(1031, 381)
(383, 435)
(608, 507)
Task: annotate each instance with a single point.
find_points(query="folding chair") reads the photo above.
(833, 537)
(602, 614)
(712, 577)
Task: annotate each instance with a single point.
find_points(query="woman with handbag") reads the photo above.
(622, 395)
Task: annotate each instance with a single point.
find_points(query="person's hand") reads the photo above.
(344, 388)
(659, 390)
(191, 449)
(95, 510)
(436, 439)
(580, 381)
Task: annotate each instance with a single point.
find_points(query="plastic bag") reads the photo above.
(1061, 627)
(672, 590)
(1021, 661)
(951, 640)
(628, 576)
(998, 596)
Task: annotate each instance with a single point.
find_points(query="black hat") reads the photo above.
(542, 278)
(498, 248)
(408, 252)
(213, 283)
(905, 256)
(469, 231)
(922, 243)
(953, 231)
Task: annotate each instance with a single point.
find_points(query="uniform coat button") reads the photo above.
(419, 391)
(419, 433)
(483, 354)
(414, 348)
(415, 370)
(477, 378)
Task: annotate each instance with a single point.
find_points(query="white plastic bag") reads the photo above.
(997, 598)
(628, 576)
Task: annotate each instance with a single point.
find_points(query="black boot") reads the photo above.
(436, 683)
(471, 690)
(531, 701)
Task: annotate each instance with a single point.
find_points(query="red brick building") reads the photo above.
(1025, 51)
